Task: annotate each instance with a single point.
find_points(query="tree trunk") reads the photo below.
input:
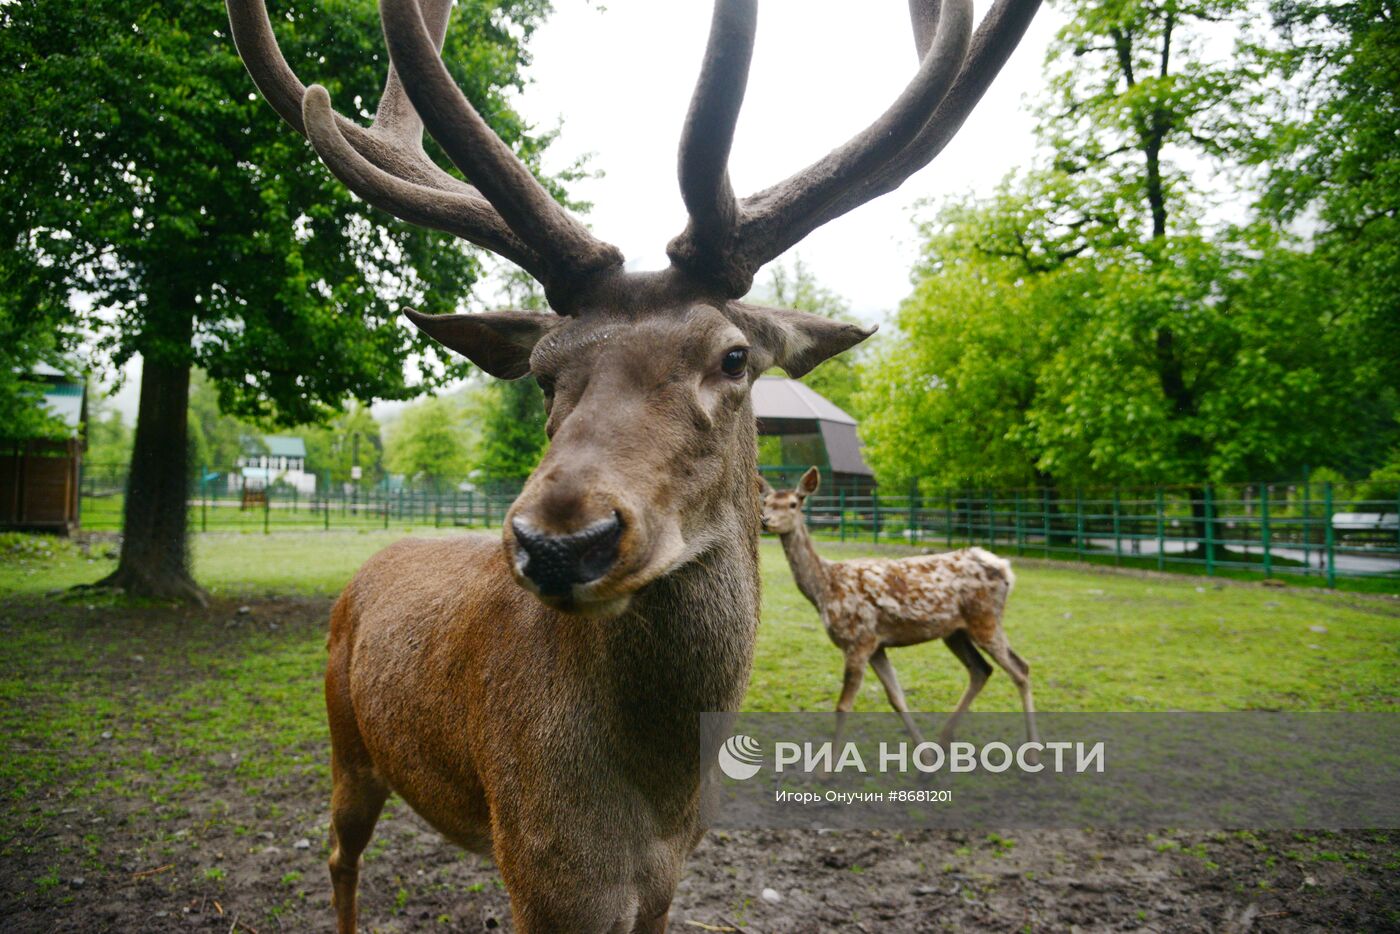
(155, 556)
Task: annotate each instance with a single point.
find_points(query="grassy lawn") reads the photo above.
(201, 733)
(1095, 640)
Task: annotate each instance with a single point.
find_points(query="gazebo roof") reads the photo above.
(777, 397)
(785, 406)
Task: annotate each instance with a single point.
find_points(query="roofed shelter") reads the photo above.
(39, 477)
(799, 428)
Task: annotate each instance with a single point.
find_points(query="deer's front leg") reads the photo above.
(856, 659)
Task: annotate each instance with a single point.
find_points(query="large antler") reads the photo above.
(508, 212)
(728, 240)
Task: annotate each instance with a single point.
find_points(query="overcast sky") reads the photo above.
(617, 82)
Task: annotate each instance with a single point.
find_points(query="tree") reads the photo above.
(1084, 326)
(350, 439)
(1329, 145)
(217, 440)
(838, 378)
(108, 434)
(512, 431)
(946, 400)
(429, 443)
(143, 172)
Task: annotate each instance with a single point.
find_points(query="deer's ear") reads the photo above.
(798, 340)
(764, 486)
(497, 341)
(809, 482)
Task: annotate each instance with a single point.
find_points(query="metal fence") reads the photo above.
(1322, 530)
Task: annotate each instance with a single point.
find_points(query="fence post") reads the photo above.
(841, 497)
(1210, 530)
(1045, 519)
(1161, 532)
(913, 511)
(326, 476)
(1020, 542)
(948, 515)
(1264, 530)
(1117, 529)
(991, 519)
(389, 501)
(875, 516)
(1078, 524)
(204, 498)
(1327, 534)
(267, 507)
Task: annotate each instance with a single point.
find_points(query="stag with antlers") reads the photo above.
(536, 697)
(868, 605)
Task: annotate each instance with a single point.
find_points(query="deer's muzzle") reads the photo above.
(556, 563)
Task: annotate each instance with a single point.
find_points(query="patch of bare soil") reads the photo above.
(246, 851)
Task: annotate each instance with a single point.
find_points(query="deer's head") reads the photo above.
(782, 509)
(647, 375)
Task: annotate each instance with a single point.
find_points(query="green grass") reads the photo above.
(1095, 640)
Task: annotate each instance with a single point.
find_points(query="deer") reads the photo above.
(868, 605)
(535, 697)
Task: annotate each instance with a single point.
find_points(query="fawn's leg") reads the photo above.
(856, 658)
(1014, 665)
(884, 670)
(978, 671)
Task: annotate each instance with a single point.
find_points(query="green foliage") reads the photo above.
(109, 437)
(351, 437)
(837, 379)
(947, 398)
(512, 418)
(429, 442)
(144, 172)
(1083, 326)
(1329, 145)
(216, 440)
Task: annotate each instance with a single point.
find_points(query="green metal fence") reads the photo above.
(1321, 530)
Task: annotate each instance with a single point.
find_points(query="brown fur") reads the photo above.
(870, 604)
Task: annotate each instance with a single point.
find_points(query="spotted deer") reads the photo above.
(870, 604)
(536, 697)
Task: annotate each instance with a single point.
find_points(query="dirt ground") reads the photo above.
(245, 850)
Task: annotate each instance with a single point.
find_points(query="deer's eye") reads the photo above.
(735, 362)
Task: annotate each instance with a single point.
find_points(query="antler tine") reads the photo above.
(384, 164)
(780, 216)
(774, 219)
(470, 217)
(708, 137)
(566, 247)
(996, 38)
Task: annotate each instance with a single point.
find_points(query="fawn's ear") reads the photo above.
(809, 482)
(497, 341)
(764, 487)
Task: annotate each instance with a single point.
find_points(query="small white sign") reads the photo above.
(355, 472)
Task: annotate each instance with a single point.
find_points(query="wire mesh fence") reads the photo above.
(1322, 530)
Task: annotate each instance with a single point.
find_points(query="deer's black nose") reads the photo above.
(555, 563)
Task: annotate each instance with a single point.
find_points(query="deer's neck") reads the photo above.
(808, 568)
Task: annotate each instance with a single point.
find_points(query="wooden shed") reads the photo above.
(39, 477)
